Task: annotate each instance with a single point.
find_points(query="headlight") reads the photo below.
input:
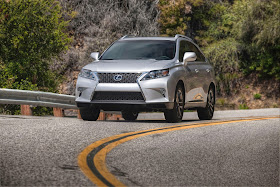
(85, 73)
(156, 74)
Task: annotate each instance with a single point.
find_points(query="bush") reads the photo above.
(243, 106)
(257, 96)
(257, 29)
(31, 34)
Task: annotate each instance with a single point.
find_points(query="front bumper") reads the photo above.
(156, 93)
(140, 107)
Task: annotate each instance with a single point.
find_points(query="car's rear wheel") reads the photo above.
(176, 114)
(208, 112)
(129, 115)
(89, 113)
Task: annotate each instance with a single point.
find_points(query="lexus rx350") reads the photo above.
(138, 74)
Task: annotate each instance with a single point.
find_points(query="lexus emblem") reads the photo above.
(117, 77)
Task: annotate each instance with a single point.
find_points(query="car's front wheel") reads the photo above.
(129, 115)
(175, 115)
(89, 113)
(208, 112)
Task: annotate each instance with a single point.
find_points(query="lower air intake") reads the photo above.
(118, 96)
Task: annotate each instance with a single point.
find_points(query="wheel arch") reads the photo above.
(212, 85)
(181, 82)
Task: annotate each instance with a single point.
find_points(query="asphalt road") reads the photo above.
(39, 151)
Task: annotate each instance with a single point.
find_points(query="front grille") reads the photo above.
(117, 96)
(126, 77)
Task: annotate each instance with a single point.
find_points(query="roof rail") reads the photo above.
(126, 36)
(179, 35)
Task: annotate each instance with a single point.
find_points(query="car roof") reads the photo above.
(133, 38)
(148, 38)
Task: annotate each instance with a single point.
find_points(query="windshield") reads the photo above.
(141, 49)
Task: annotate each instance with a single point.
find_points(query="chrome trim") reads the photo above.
(137, 81)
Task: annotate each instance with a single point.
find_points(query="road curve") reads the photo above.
(43, 151)
(93, 159)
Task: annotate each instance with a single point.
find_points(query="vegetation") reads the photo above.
(32, 33)
(257, 96)
(239, 37)
(243, 106)
(96, 24)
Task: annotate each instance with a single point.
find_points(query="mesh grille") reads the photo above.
(118, 96)
(126, 77)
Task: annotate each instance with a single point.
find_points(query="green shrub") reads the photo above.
(32, 34)
(257, 29)
(257, 96)
(243, 106)
(221, 101)
(41, 111)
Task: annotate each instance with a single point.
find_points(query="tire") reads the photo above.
(175, 115)
(208, 112)
(89, 114)
(129, 116)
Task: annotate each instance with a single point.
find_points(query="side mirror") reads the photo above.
(189, 57)
(95, 55)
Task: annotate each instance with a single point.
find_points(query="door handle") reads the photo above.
(208, 70)
(196, 70)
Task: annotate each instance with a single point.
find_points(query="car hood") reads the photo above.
(129, 66)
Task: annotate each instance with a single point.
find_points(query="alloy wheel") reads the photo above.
(211, 101)
(179, 102)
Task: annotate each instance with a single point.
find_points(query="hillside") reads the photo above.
(102, 25)
(99, 23)
(45, 43)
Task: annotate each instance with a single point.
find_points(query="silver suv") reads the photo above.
(139, 74)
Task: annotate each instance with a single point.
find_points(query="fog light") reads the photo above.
(162, 91)
(80, 90)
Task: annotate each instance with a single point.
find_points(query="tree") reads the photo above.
(32, 32)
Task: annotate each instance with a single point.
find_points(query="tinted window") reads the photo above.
(199, 55)
(186, 46)
(141, 49)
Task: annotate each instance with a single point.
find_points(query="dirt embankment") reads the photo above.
(252, 92)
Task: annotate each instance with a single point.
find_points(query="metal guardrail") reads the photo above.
(37, 98)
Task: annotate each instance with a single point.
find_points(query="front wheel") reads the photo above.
(89, 113)
(129, 116)
(175, 115)
(208, 112)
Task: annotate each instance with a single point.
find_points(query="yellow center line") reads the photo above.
(99, 159)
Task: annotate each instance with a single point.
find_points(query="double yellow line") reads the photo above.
(92, 159)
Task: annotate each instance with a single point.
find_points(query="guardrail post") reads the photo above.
(58, 112)
(25, 110)
(102, 116)
(79, 115)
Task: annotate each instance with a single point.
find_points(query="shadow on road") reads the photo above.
(154, 121)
